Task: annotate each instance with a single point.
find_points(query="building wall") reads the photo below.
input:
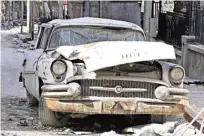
(75, 9)
(192, 58)
(126, 11)
(202, 4)
(195, 61)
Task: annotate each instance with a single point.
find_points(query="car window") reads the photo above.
(55, 41)
(45, 35)
(39, 38)
(85, 35)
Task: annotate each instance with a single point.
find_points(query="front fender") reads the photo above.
(44, 70)
(166, 66)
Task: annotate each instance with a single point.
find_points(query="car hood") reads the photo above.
(112, 53)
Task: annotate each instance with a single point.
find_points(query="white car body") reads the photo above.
(89, 59)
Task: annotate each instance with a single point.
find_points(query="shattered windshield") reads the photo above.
(86, 35)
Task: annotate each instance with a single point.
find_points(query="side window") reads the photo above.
(39, 38)
(55, 39)
(44, 38)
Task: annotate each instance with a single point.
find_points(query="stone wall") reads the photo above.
(193, 58)
(195, 61)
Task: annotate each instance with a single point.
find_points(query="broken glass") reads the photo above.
(85, 35)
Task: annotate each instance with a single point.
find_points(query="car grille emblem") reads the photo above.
(118, 89)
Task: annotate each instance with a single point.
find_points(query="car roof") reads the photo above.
(91, 21)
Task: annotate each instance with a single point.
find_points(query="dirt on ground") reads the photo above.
(18, 115)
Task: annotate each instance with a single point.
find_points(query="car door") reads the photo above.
(31, 58)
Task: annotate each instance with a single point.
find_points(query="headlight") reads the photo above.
(59, 67)
(176, 74)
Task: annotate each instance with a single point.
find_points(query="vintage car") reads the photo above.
(100, 66)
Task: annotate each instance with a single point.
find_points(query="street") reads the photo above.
(19, 118)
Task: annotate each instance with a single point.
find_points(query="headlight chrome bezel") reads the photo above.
(54, 63)
(173, 79)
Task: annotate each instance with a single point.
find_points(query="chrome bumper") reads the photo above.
(59, 101)
(114, 107)
(57, 91)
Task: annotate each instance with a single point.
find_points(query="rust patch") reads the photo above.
(107, 106)
(55, 105)
(168, 109)
(189, 119)
(113, 107)
(192, 107)
(181, 108)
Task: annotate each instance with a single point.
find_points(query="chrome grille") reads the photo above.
(85, 84)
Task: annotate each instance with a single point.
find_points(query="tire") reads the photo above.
(49, 118)
(32, 101)
(160, 119)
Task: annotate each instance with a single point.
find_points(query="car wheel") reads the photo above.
(32, 101)
(160, 119)
(50, 118)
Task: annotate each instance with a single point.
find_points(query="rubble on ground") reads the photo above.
(24, 120)
(149, 132)
(21, 42)
(166, 129)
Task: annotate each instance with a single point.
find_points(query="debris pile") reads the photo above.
(93, 125)
(167, 129)
(21, 42)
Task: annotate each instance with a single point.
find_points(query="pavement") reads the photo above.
(11, 66)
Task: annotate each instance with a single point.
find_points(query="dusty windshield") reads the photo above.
(85, 35)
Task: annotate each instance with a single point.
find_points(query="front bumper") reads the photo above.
(112, 106)
(59, 100)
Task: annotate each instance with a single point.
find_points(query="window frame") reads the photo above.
(46, 32)
(39, 37)
(44, 27)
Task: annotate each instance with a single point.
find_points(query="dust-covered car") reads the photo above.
(100, 66)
